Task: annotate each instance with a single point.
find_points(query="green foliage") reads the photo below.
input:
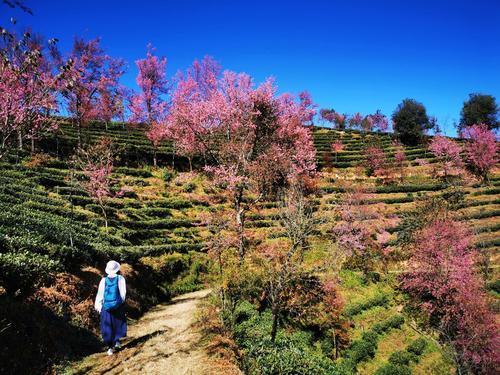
(480, 109)
(494, 286)
(410, 121)
(189, 187)
(395, 321)
(400, 360)
(418, 346)
(377, 300)
(392, 369)
(365, 347)
(133, 172)
(23, 272)
(191, 280)
(169, 175)
(286, 356)
(403, 358)
(59, 237)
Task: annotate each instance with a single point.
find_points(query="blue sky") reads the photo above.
(350, 55)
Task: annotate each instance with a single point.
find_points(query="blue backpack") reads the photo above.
(112, 298)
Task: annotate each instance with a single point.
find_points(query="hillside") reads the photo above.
(156, 228)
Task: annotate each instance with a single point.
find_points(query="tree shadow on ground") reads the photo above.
(142, 339)
(36, 339)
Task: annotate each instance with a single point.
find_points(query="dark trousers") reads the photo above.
(113, 325)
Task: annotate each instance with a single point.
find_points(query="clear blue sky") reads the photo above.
(350, 55)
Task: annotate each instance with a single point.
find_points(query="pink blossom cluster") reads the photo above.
(481, 148)
(148, 106)
(447, 153)
(357, 121)
(442, 280)
(247, 135)
(27, 93)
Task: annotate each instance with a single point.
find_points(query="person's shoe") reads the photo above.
(110, 351)
(118, 345)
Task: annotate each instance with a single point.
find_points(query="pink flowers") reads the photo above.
(92, 89)
(481, 149)
(447, 153)
(27, 93)
(250, 138)
(357, 121)
(96, 163)
(376, 160)
(148, 106)
(337, 147)
(443, 283)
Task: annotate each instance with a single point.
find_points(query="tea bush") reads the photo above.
(23, 272)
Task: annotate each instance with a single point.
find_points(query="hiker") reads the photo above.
(110, 303)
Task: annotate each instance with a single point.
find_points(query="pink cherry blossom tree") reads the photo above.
(480, 149)
(353, 232)
(285, 260)
(337, 147)
(367, 124)
(356, 120)
(447, 153)
(149, 105)
(92, 74)
(96, 163)
(340, 120)
(380, 121)
(111, 94)
(376, 161)
(442, 281)
(252, 140)
(327, 115)
(27, 91)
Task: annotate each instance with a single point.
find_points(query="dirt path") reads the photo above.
(163, 341)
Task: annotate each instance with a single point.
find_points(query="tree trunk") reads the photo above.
(79, 129)
(173, 155)
(274, 329)
(20, 139)
(240, 224)
(32, 145)
(155, 163)
(105, 217)
(335, 346)
(190, 164)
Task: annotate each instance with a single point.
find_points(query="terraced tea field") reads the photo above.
(158, 215)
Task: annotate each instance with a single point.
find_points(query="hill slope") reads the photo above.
(156, 230)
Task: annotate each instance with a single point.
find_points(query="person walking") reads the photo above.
(110, 303)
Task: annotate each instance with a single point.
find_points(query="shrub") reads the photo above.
(23, 272)
(355, 309)
(133, 172)
(169, 175)
(285, 357)
(393, 322)
(391, 369)
(402, 358)
(417, 347)
(38, 160)
(362, 349)
(365, 347)
(189, 187)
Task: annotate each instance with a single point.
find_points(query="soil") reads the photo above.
(164, 341)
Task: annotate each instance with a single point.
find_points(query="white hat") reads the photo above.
(112, 267)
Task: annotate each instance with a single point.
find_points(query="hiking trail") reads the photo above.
(163, 341)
